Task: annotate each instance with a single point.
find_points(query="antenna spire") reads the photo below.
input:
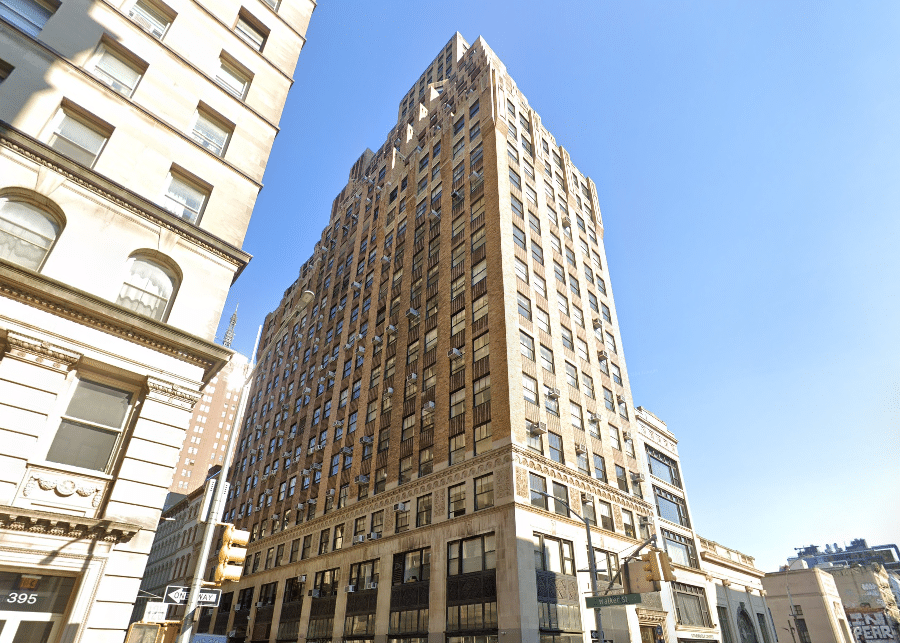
(229, 334)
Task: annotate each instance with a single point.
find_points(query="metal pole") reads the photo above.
(592, 561)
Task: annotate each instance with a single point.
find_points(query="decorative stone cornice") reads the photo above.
(65, 525)
(116, 195)
(39, 291)
(63, 486)
(651, 617)
(40, 352)
(180, 396)
(715, 559)
(539, 463)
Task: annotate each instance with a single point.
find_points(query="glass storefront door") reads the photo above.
(32, 606)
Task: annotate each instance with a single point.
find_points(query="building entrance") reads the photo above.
(33, 606)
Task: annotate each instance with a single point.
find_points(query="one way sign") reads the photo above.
(178, 595)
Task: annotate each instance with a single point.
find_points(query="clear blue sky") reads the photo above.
(747, 158)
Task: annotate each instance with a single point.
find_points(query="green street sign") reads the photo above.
(615, 599)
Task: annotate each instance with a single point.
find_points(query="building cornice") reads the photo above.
(39, 291)
(65, 525)
(721, 561)
(32, 149)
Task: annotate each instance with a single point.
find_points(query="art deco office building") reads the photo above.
(133, 139)
(461, 353)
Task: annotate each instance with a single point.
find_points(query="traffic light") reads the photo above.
(232, 554)
(657, 566)
(647, 566)
(665, 566)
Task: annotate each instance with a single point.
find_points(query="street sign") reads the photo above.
(155, 612)
(607, 601)
(178, 595)
(209, 638)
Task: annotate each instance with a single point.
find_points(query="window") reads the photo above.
(482, 390)
(74, 135)
(484, 492)
(184, 198)
(423, 511)
(471, 555)
(628, 523)
(232, 77)
(521, 270)
(538, 487)
(543, 320)
(529, 388)
(663, 467)
(560, 499)
(150, 18)
(479, 308)
(479, 272)
(148, 288)
(483, 438)
(27, 233)
(519, 237)
(90, 428)
(113, 68)
(605, 511)
(680, 549)
(457, 448)
(210, 132)
(621, 478)
(527, 345)
(691, 607)
(457, 500)
(554, 555)
(671, 507)
(567, 339)
(457, 402)
(554, 441)
(524, 306)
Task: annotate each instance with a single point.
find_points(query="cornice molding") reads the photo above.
(115, 194)
(65, 525)
(40, 352)
(56, 298)
(721, 561)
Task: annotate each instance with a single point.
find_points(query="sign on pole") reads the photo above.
(178, 595)
(155, 612)
(608, 601)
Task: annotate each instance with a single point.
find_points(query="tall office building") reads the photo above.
(133, 139)
(460, 357)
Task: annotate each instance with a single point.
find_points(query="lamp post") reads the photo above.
(220, 490)
(592, 562)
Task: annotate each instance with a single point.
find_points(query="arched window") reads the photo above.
(27, 233)
(149, 287)
(745, 628)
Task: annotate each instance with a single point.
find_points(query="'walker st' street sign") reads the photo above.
(178, 595)
(614, 599)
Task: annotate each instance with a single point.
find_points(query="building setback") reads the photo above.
(460, 354)
(133, 139)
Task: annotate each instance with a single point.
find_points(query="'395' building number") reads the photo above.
(22, 598)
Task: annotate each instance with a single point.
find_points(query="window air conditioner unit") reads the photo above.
(620, 398)
(418, 149)
(412, 312)
(350, 589)
(538, 428)
(305, 472)
(637, 477)
(366, 439)
(385, 259)
(330, 493)
(319, 447)
(317, 466)
(300, 505)
(454, 353)
(372, 585)
(279, 433)
(361, 479)
(391, 329)
(598, 323)
(347, 450)
(389, 390)
(285, 454)
(602, 355)
(456, 194)
(348, 346)
(359, 539)
(312, 501)
(301, 578)
(428, 407)
(360, 348)
(580, 447)
(435, 215)
(475, 176)
(341, 308)
(401, 506)
(374, 535)
(553, 393)
(593, 417)
(268, 492)
(356, 285)
(232, 633)
(376, 339)
(306, 390)
(331, 374)
(322, 380)
(626, 435)
(411, 377)
(567, 223)
(285, 407)
(645, 520)
(315, 593)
